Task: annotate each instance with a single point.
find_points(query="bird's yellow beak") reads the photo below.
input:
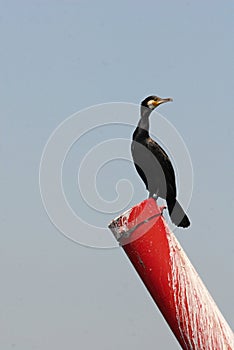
(159, 101)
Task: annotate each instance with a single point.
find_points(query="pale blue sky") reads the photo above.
(58, 57)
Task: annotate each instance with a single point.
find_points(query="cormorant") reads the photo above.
(153, 164)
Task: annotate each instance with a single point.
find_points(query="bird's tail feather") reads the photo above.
(177, 214)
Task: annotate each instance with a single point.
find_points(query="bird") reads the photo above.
(153, 164)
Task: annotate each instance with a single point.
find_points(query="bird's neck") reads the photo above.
(143, 125)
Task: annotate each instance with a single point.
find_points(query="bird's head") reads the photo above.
(152, 102)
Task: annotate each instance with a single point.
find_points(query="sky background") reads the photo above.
(58, 57)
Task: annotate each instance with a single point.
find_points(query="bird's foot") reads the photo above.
(154, 196)
(162, 208)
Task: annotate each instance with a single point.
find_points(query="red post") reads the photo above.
(171, 279)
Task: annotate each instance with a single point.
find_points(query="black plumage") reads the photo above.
(153, 164)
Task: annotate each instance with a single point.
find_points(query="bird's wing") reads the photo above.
(164, 161)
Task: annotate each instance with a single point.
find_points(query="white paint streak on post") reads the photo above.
(201, 324)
